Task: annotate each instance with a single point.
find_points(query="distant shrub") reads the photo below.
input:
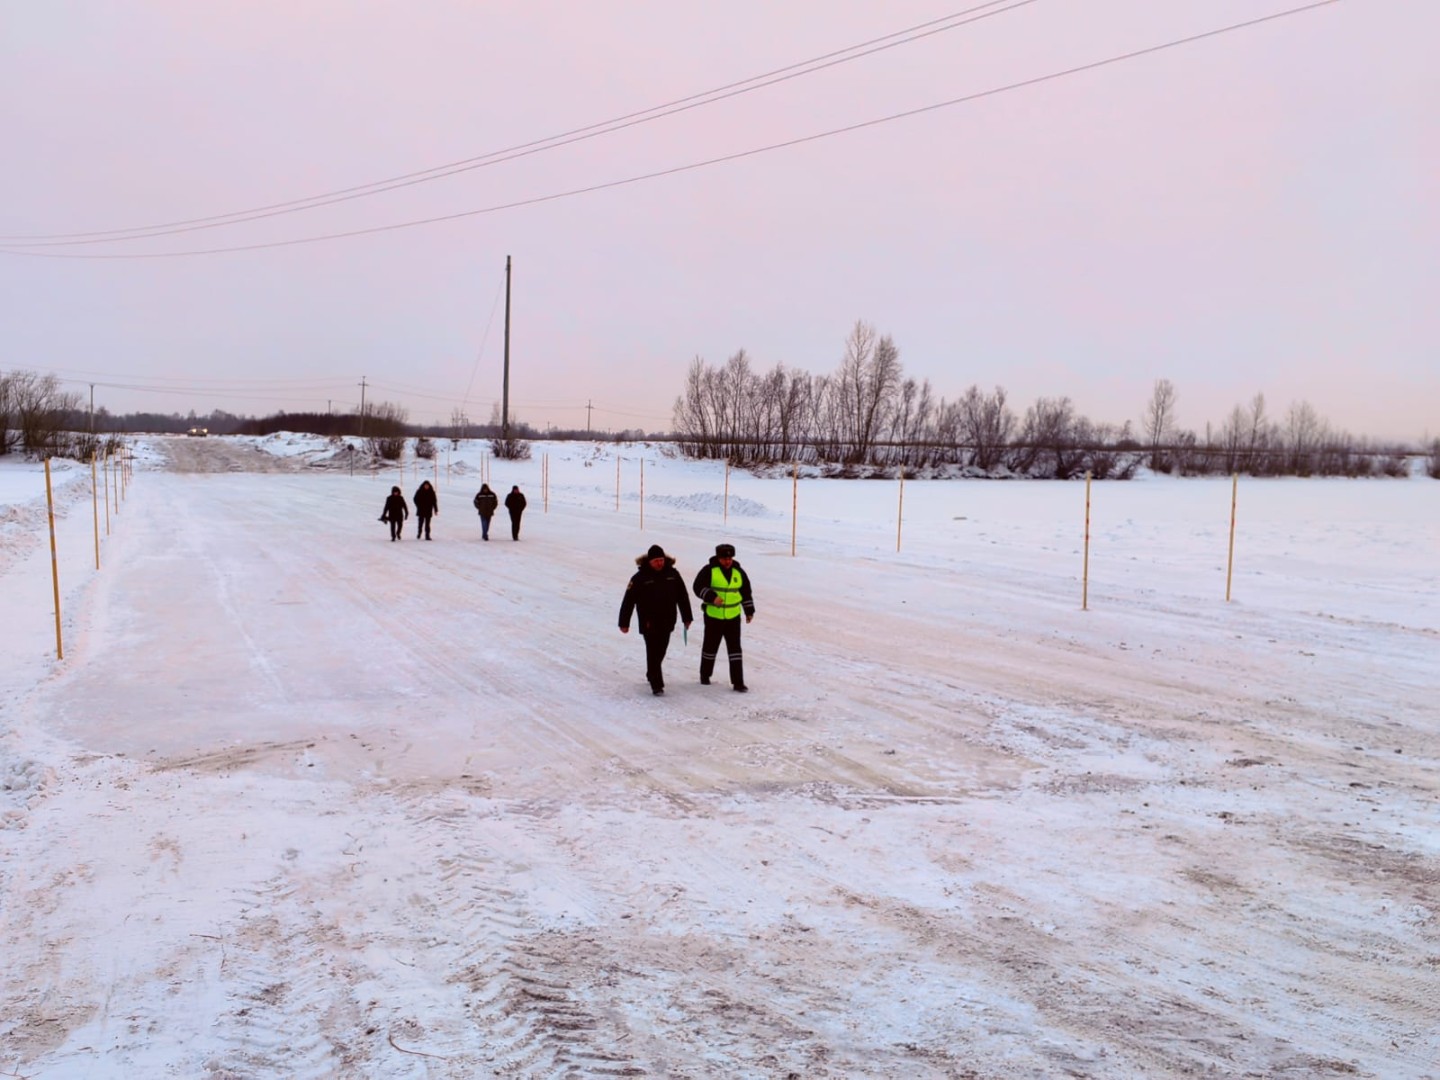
(424, 448)
(1395, 465)
(389, 447)
(511, 449)
(1432, 461)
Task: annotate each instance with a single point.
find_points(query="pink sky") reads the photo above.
(1249, 214)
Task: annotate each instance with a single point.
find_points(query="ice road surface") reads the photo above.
(302, 802)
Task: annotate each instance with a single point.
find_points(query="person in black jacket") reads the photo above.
(427, 505)
(515, 503)
(486, 502)
(656, 591)
(395, 512)
(724, 589)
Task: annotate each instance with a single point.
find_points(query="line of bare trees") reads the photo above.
(868, 415)
(39, 419)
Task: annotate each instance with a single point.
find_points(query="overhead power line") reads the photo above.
(565, 138)
(706, 163)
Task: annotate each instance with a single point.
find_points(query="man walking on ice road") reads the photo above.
(724, 588)
(515, 503)
(656, 590)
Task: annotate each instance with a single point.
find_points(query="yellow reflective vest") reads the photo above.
(727, 593)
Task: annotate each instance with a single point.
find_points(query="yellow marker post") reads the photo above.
(794, 504)
(105, 470)
(642, 493)
(54, 561)
(900, 510)
(1230, 563)
(725, 512)
(617, 485)
(1085, 576)
(95, 507)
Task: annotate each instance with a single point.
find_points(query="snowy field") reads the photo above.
(302, 802)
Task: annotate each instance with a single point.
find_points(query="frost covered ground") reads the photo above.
(303, 802)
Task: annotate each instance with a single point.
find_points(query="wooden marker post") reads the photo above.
(95, 507)
(642, 493)
(54, 561)
(1085, 574)
(794, 505)
(1230, 562)
(725, 511)
(105, 475)
(900, 510)
(617, 485)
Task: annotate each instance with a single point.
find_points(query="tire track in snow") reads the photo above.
(280, 993)
(527, 1019)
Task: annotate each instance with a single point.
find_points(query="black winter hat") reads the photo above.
(724, 551)
(655, 552)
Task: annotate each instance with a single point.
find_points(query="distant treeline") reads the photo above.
(865, 418)
(868, 416)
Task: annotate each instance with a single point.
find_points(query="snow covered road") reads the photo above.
(304, 802)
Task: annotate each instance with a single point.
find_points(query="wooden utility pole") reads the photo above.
(505, 390)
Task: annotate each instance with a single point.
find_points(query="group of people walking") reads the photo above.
(427, 506)
(656, 594)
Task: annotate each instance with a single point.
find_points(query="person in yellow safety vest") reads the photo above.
(724, 589)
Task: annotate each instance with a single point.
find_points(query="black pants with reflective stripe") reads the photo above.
(728, 631)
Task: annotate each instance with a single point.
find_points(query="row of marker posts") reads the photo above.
(1229, 559)
(900, 518)
(120, 474)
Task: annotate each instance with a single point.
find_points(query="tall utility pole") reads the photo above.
(92, 408)
(505, 392)
(362, 406)
(587, 418)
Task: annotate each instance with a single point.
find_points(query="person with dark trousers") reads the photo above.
(655, 593)
(395, 512)
(427, 505)
(486, 502)
(515, 503)
(724, 589)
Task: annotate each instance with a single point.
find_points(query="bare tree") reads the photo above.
(986, 426)
(850, 392)
(40, 410)
(911, 424)
(1304, 431)
(1159, 422)
(459, 426)
(1260, 438)
(691, 418)
(1048, 442)
(8, 436)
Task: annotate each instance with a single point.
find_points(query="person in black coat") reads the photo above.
(395, 512)
(515, 503)
(655, 593)
(723, 587)
(427, 505)
(486, 503)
